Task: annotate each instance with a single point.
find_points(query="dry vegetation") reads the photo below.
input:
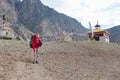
(60, 61)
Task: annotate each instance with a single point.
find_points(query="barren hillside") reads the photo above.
(60, 61)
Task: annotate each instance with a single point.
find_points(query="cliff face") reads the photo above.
(36, 17)
(7, 8)
(39, 18)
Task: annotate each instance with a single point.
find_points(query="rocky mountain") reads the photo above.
(11, 25)
(40, 18)
(7, 9)
(114, 34)
(14, 30)
(37, 17)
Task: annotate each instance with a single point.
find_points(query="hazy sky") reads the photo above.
(107, 12)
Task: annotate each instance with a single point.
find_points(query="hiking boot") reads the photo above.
(33, 62)
(37, 62)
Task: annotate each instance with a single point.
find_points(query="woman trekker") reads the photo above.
(35, 44)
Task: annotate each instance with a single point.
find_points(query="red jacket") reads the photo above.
(35, 41)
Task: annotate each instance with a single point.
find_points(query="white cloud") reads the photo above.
(105, 11)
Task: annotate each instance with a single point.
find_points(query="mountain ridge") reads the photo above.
(114, 33)
(37, 17)
(44, 19)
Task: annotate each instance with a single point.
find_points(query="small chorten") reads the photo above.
(5, 31)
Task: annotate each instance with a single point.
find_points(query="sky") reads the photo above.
(106, 12)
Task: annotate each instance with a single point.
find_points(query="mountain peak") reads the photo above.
(46, 20)
(32, 1)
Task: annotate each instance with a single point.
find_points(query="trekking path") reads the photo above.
(60, 61)
(16, 63)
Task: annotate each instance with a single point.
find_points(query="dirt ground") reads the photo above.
(60, 61)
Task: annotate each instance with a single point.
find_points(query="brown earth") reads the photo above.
(60, 61)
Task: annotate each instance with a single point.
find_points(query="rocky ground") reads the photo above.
(60, 61)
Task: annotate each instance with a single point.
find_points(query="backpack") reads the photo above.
(31, 42)
(39, 44)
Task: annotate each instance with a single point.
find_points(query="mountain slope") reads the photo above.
(45, 20)
(7, 8)
(114, 33)
(60, 61)
(36, 17)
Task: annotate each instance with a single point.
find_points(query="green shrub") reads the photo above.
(7, 38)
(18, 38)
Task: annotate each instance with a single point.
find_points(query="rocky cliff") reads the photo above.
(37, 17)
(7, 8)
(40, 18)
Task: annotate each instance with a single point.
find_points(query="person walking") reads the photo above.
(35, 44)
